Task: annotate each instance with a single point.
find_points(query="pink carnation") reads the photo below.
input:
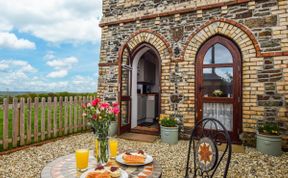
(115, 104)
(84, 105)
(104, 105)
(94, 117)
(115, 110)
(95, 102)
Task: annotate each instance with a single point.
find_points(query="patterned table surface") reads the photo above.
(65, 167)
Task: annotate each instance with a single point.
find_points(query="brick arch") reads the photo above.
(154, 38)
(237, 32)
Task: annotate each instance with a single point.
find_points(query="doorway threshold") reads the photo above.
(145, 130)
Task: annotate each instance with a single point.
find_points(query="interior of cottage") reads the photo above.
(148, 90)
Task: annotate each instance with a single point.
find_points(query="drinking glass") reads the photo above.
(82, 156)
(113, 144)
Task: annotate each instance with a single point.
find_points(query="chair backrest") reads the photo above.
(205, 138)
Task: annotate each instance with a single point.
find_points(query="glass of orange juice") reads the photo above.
(113, 144)
(82, 156)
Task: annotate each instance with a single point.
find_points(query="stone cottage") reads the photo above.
(226, 59)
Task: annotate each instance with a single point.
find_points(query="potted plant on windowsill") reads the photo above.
(169, 129)
(268, 139)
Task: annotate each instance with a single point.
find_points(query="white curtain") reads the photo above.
(220, 111)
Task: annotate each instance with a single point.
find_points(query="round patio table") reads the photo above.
(65, 166)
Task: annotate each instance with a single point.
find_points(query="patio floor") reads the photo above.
(30, 162)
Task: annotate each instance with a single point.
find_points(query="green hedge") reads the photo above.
(45, 95)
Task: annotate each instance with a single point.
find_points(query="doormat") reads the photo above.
(146, 124)
(138, 137)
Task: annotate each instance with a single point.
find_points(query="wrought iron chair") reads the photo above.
(209, 133)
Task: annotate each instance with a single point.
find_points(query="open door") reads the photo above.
(125, 70)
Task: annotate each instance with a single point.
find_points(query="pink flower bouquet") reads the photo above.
(100, 114)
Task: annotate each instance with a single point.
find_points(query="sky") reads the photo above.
(49, 45)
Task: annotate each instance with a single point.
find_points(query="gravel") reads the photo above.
(30, 162)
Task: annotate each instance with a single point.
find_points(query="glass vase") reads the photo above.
(101, 151)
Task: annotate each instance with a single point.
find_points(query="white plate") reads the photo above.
(123, 173)
(119, 159)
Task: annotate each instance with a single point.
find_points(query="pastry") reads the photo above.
(133, 159)
(95, 174)
(115, 172)
(104, 172)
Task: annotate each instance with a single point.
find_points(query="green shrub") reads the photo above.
(268, 127)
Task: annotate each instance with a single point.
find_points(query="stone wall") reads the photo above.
(259, 28)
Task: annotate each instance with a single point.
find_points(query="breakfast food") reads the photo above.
(104, 172)
(115, 172)
(134, 158)
(95, 174)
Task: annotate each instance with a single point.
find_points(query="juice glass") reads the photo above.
(82, 156)
(113, 144)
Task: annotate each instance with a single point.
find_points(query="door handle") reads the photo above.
(200, 88)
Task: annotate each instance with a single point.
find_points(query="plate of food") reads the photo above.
(138, 158)
(105, 172)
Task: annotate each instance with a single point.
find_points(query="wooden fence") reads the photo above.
(25, 122)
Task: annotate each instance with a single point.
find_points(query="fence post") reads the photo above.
(55, 117)
(29, 110)
(36, 101)
(49, 110)
(75, 113)
(70, 114)
(83, 117)
(22, 121)
(15, 122)
(66, 115)
(60, 116)
(43, 110)
(80, 120)
(5, 123)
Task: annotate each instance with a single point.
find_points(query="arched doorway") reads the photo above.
(218, 84)
(140, 89)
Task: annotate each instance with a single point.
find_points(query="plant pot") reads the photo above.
(269, 144)
(169, 134)
(113, 127)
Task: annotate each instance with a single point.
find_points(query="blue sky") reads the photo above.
(50, 45)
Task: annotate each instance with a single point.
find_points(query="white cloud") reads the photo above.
(81, 83)
(3, 66)
(16, 66)
(61, 66)
(12, 72)
(58, 74)
(5, 26)
(61, 63)
(55, 21)
(9, 40)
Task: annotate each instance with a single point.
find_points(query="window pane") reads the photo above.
(223, 112)
(218, 82)
(208, 56)
(221, 55)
